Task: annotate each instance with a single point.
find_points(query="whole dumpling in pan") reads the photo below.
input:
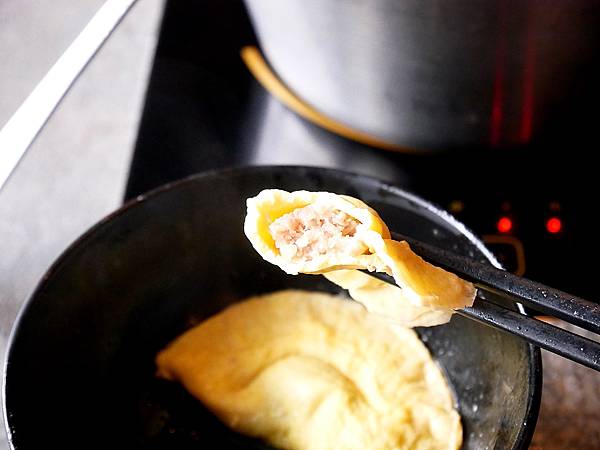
(312, 371)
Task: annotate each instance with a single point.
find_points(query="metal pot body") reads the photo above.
(437, 74)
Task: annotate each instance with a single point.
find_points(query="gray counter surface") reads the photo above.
(75, 171)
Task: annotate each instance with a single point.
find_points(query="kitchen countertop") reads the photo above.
(570, 414)
(75, 173)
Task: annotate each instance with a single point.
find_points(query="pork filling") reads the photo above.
(316, 231)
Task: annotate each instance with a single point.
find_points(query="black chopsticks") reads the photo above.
(495, 288)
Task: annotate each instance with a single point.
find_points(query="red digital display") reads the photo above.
(504, 224)
(554, 225)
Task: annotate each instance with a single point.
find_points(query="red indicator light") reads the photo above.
(553, 225)
(504, 225)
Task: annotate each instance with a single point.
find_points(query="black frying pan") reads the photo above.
(80, 370)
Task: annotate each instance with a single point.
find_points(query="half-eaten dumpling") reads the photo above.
(322, 233)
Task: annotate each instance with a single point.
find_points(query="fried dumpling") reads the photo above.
(386, 300)
(313, 232)
(312, 371)
(322, 232)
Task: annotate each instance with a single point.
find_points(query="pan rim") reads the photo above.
(535, 361)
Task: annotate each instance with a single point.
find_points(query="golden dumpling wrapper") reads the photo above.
(272, 204)
(312, 371)
(386, 300)
(323, 233)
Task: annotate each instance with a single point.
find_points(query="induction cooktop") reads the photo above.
(204, 110)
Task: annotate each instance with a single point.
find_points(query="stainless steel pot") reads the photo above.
(438, 74)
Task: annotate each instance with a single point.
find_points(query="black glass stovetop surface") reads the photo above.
(205, 111)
